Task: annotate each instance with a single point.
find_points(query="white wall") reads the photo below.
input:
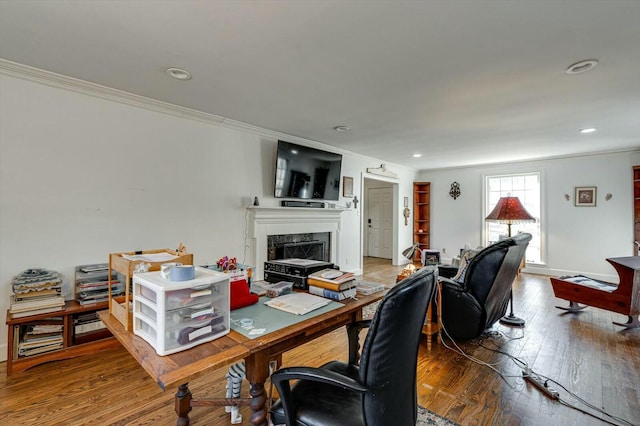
(83, 176)
(578, 238)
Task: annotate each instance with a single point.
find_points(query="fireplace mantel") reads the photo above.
(265, 221)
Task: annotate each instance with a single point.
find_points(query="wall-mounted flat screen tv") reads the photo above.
(307, 173)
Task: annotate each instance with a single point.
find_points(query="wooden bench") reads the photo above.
(623, 298)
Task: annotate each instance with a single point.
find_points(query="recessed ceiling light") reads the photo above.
(588, 130)
(341, 128)
(417, 155)
(179, 73)
(582, 66)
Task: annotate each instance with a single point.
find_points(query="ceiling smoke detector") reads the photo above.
(179, 73)
(582, 66)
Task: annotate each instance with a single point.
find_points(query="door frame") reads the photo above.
(395, 216)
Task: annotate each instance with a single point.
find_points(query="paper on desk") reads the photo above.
(150, 257)
(297, 303)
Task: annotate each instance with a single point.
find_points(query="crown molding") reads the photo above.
(64, 82)
(60, 81)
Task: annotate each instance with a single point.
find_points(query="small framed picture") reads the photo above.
(347, 187)
(430, 257)
(585, 196)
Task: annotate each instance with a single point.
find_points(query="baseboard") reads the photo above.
(538, 270)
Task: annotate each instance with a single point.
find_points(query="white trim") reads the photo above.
(536, 270)
(267, 221)
(64, 82)
(543, 221)
(60, 81)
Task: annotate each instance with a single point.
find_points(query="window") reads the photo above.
(525, 186)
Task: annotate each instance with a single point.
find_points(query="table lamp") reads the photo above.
(510, 210)
(410, 252)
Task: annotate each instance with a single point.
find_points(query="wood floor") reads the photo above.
(584, 353)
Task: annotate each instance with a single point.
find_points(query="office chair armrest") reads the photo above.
(317, 375)
(447, 282)
(353, 332)
(281, 379)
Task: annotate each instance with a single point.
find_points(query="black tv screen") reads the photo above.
(307, 173)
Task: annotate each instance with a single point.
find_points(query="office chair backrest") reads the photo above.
(390, 351)
(491, 273)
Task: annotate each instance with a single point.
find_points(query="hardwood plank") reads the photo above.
(584, 352)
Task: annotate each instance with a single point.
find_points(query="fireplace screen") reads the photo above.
(301, 246)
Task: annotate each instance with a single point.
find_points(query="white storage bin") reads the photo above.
(174, 316)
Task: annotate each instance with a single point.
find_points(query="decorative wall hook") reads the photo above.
(382, 171)
(455, 190)
(567, 197)
(608, 196)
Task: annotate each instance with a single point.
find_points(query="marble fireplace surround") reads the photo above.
(265, 221)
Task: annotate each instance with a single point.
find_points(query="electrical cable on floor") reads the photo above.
(527, 372)
(474, 359)
(530, 371)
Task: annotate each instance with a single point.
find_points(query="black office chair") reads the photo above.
(480, 297)
(381, 390)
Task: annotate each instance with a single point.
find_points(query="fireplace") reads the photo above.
(316, 246)
(294, 232)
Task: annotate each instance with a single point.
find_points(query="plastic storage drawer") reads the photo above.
(174, 316)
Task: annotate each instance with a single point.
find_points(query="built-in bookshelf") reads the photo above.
(421, 215)
(636, 208)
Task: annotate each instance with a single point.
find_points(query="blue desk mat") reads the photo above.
(271, 319)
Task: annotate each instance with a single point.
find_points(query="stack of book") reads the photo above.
(36, 291)
(88, 327)
(332, 284)
(40, 338)
(92, 284)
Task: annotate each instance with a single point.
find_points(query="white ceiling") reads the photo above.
(461, 82)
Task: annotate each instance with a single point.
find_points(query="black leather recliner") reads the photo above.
(381, 390)
(471, 306)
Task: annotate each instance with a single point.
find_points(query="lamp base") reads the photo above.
(512, 321)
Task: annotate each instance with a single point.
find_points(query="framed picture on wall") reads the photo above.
(585, 196)
(347, 187)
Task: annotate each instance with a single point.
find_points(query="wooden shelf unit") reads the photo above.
(636, 207)
(121, 306)
(421, 215)
(100, 340)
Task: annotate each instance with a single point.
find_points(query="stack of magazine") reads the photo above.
(36, 291)
(332, 284)
(88, 327)
(92, 284)
(39, 338)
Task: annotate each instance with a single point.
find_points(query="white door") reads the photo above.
(380, 234)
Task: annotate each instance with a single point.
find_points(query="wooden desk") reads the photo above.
(178, 369)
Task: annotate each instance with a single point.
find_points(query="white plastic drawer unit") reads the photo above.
(177, 315)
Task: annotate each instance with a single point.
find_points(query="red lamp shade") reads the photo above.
(510, 210)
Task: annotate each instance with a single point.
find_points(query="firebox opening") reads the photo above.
(314, 246)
